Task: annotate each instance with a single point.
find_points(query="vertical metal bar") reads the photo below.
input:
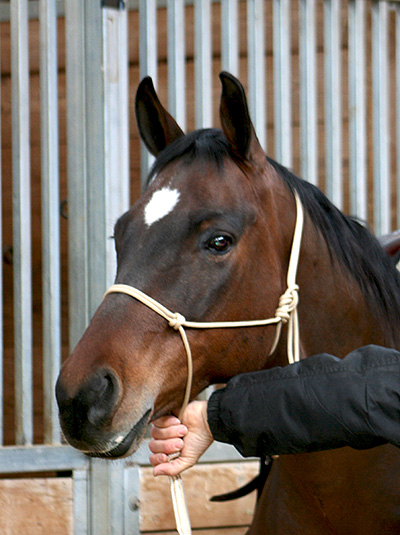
(118, 498)
(77, 172)
(100, 497)
(308, 92)
(357, 111)
(333, 107)
(21, 222)
(50, 216)
(176, 61)
(202, 68)
(381, 117)
(116, 124)
(397, 9)
(95, 154)
(81, 509)
(256, 68)
(1, 300)
(229, 36)
(282, 83)
(132, 495)
(148, 64)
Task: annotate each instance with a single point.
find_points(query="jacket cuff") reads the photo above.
(213, 416)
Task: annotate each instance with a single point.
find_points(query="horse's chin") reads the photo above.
(122, 446)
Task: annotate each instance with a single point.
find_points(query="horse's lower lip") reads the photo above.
(134, 435)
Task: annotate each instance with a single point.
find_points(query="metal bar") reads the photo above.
(116, 124)
(282, 82)
(50, 217)
(256, 68)
(77, 172)
(20, 459)
(100, 488)
(358, 110)
(118, 497)
(95, 154)
(81, 507)
(381, 134)
(397, 18)
(202, 67)
(148, 65)
(132, 500)
(176, 61)
(333, 105)
(229, 36)
(1, 301)
(21, 222)
(308, 92)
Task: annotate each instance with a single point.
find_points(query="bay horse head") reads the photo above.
(211, 238)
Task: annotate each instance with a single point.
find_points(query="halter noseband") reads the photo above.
(286, 312)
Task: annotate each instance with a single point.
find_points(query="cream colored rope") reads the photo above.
(286, 312)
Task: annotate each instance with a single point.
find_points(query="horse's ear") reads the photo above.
(235, 119)
(156, 126)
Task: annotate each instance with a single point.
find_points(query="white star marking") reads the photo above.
(161, 204)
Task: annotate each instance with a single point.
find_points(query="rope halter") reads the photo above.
(286, 313)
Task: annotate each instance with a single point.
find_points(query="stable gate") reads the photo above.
(323, 79)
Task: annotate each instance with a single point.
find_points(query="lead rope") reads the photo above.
(286, 312)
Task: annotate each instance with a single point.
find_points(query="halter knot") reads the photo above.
(287, 303)
(176, 321)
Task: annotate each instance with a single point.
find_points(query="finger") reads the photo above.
(166, 446)
(164, 433)
(170, 468)
(158, 458)
(166, 421)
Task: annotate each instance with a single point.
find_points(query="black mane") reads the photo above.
(348, 241)
(354, 246)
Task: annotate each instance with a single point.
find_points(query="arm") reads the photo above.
(319, 403)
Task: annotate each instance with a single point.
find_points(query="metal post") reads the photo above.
(176, 61)
(21, 222)
(229, 36)
(357, 109)
(381, 134)
(202, 68)
(308, 93)
(100, 191)
(282, 82)
(333, 105)
(148, 65)
(51, 273)
(77, 171)
(256, 68)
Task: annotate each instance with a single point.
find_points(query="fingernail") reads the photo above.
(178, 444)
(182, 431)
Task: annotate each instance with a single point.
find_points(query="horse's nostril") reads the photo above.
(95, 403)
(99, 387)
(102, 395)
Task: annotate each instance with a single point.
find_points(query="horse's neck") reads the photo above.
(334, 316)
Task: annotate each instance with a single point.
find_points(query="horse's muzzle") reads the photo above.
(87, 413)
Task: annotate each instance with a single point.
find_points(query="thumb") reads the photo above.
(171, 468)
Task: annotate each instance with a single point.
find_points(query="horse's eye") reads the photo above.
(220, 244)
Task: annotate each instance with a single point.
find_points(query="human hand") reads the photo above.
(191, 437)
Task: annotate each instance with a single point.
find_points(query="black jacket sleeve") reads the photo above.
(319, 403)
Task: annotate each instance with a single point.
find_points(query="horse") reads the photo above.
(211, 238)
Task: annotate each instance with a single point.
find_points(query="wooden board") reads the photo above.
(201, 482)
(36, 506)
